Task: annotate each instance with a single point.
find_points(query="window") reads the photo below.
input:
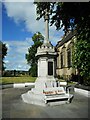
(69, 58)
(63, 56)
(61, 60)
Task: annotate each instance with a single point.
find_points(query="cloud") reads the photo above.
(8, 47)
(19, 66)
(16, 55)
(6, 61)
(17, 0)
(26, 12)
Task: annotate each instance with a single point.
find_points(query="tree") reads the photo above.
(72, 16)
(3, 53)
(81, 60)
(14, 72)
(65, 14)
(31, 58)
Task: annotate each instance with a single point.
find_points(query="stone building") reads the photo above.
(64, 60)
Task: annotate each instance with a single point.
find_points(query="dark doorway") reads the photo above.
(50, 68)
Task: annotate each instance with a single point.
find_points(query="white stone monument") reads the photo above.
(47, 90)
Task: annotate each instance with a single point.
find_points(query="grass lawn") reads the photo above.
(22, 79)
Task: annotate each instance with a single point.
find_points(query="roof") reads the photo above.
(66, 38)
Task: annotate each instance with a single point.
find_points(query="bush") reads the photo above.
(60, 77)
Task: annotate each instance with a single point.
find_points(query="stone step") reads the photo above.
(57, 103)
(32, 99)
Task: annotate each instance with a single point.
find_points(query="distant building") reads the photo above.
(64, 60)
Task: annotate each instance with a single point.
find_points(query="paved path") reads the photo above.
(14, 107)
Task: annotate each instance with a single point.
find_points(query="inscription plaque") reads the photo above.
(50, 68)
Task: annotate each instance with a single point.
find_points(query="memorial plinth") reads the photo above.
(47, 90)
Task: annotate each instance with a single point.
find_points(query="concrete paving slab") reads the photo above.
(14, 107)
(82, 92)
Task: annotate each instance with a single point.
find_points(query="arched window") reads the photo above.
(63, 57)
(69, 55)
(61, 60)
(69, 61)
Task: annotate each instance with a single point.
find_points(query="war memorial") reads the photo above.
(48, 90)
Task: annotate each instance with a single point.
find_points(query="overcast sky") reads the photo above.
(18, 26)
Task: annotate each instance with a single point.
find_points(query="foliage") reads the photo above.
(81, 59)
(3, 53)
(70, 16)
(33, 69)
(65, 14)
(31, 58)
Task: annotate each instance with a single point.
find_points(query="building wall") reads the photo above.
(64, 59)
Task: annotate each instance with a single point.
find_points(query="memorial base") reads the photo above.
(43, 100)
(46, 92)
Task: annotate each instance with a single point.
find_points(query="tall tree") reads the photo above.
(65, 14)
(3, 53)
(30, 56)
(70, 16)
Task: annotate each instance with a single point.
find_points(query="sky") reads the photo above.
(18, 26)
